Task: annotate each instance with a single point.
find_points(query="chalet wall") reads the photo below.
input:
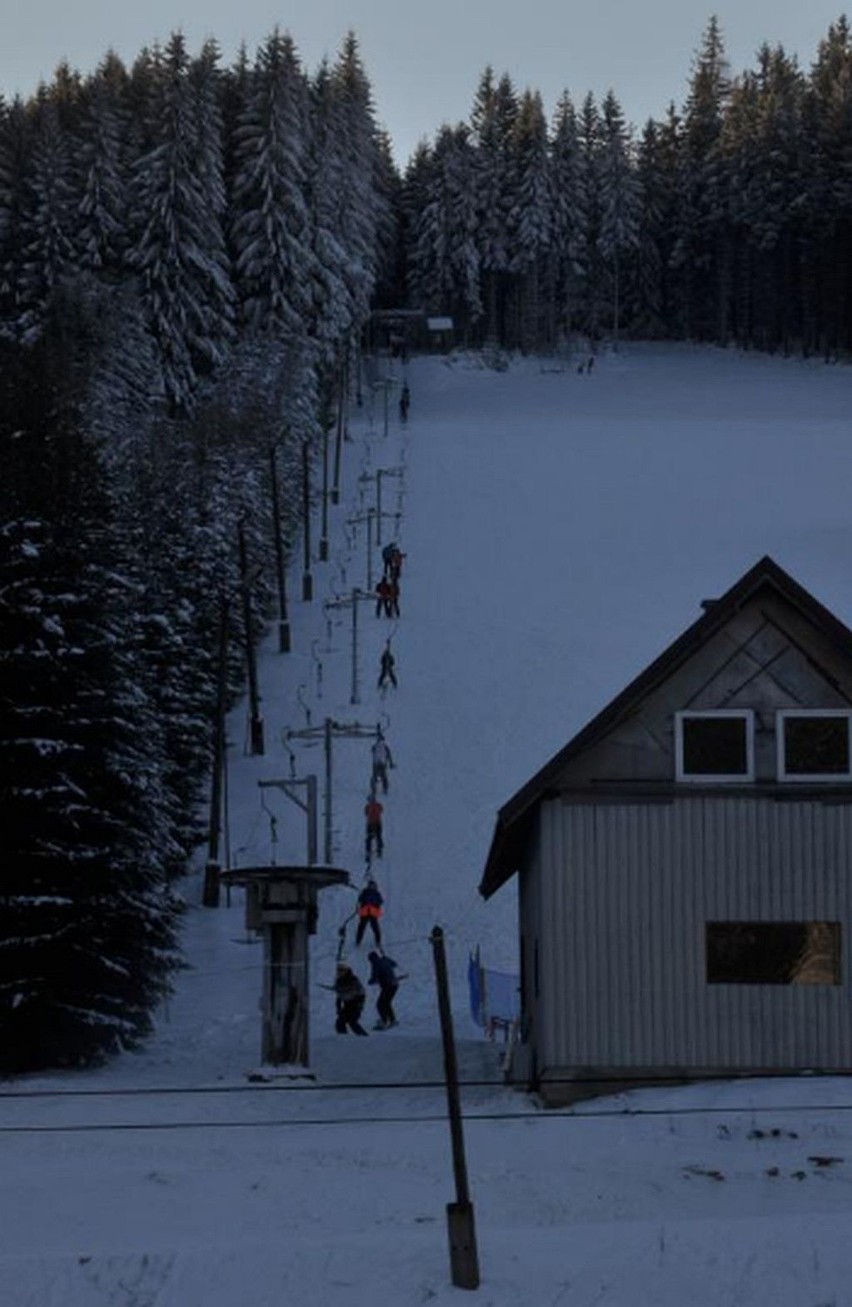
(625, 891)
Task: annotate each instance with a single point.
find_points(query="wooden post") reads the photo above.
(280, 562)
(323, 543)
(256, 735)
(327, 743)
(464, 1259)
(211, 893)
(307, 578)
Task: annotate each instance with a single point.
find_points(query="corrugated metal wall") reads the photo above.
(626, 891)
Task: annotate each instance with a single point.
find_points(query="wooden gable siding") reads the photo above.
(622, 894)
(766, 657)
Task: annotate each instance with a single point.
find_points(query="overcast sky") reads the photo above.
(424, 59)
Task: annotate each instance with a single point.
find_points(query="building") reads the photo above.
(684, 862)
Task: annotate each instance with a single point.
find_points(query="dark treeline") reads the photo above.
(187, 258)
(730, 221)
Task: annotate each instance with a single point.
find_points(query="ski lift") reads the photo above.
(273, 828)
(304, 706)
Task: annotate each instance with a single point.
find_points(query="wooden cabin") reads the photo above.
(685, 861)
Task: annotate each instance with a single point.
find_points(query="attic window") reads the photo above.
(814, 744)
(714, 746)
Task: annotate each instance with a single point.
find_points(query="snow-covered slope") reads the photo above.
(559, 531)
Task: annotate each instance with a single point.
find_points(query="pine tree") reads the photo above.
(492, 120)
(271, 223)
(102, 160)
(569, 252)
(87, 934)
(361, 218)
(530, 219)
(444, 256)
(619, 201)
(47, 223)
(15, 146)
(179, 248)
(700, 255)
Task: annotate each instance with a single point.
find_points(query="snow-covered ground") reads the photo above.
(560, 531)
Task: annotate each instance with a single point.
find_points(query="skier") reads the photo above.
(383, 972)
(370, 903)
(373, 812)
(350, 1000)
(382, 760)
(384, 595)
(404, 402)
(388, 553)
(395, 564)
(386, 668)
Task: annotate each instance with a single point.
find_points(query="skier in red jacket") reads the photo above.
(373, 812)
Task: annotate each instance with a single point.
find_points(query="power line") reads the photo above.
(471, 1118)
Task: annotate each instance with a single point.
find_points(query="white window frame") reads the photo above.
(693, 778)
(805, 778)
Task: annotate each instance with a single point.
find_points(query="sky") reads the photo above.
(424, 60)
(559, 530)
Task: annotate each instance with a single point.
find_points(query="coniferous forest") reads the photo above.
(189, 256)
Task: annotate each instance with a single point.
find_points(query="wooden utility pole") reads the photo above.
(307, 578)
(211, 893)
(257, 744)
(323, 542)
(280, 561)
(464, 1259)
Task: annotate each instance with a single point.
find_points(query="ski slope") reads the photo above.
(559, 530)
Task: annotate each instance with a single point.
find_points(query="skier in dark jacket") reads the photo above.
(370, 904)
(404, 402)
(383, 973)
(349, 1001)
(386, 668)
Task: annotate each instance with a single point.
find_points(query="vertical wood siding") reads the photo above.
(623, 894)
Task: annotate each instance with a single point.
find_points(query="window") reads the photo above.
(814, 744)
(714, 746)
(773, 952)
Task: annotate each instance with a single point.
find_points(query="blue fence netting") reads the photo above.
(494, 997)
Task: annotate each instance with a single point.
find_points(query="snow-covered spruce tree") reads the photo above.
(701, 256)
(529, 219)
(87, 929)
(619, 192)
(178, 248)
(568, 253)
(656, 172)
(444, 260)
(102, 217)
(270, 227)
(774, 215)
(362, 215)
(593, 301)
(47, 222)
(493, 118)
(826, 203)
(332, 314)
(390, 256)
(15, 143)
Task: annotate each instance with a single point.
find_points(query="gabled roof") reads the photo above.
(513, 819)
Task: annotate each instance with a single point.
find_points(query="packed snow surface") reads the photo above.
(559, 530)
